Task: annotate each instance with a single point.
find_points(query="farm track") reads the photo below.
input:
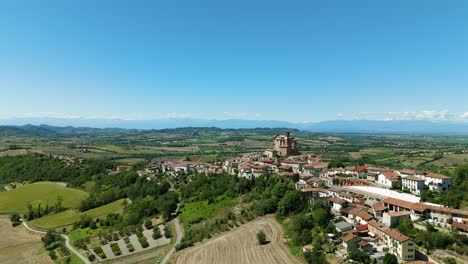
(240, 246)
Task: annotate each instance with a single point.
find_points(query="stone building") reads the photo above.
(285, 145)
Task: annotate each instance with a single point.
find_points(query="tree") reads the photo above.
(359, 256)
(295, 177)
(390, 259)
(15, 220)
(148, 224)
(290, 203)
(261, 237)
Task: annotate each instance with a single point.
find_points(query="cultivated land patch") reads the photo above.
(71, 216)
(40, 192)
(17, 245)
(240, 245)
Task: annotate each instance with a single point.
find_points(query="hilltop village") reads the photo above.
(367, 201)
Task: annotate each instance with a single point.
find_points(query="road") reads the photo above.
(178, 239)
(67, 243)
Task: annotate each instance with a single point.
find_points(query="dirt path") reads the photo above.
(240, 246)
(18, 245)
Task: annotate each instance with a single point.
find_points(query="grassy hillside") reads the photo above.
(70, 216)
(39, 192)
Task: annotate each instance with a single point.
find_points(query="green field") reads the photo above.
(40, 192)
(70, 216)
(202, 209)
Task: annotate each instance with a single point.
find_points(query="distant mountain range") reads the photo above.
(86, 125)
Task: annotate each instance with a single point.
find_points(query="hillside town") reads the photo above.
(367, 201)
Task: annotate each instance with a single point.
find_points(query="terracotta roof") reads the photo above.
(363, 243)
(348, 237)
(365, 216)
(362, 228)
(379, 207)
(398, 202)
(337, 200)
(396, 235)
(287, 174)
(436, 175)
(391, 175)
(357, 210)
(461, 226)
(375, 224)
(347, 195)
(397, 214)
(308, 247)
(412, 178)
(284, 167)
(347, 210)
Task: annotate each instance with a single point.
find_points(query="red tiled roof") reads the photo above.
(348, 237)
(398, 202)
(396, 235)
(412, 178)
(363, 243)
(397, 214)
(391, 175)
(461, 226)
(362, 228)
(337, 200)
(436, 175)
(365, 216)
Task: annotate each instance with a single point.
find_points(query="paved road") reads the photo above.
(67, 243)
(178, 239)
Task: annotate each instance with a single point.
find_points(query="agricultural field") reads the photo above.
(17, 245)
(451, 160)
(70, 216)
(240, 245)
(40, 192)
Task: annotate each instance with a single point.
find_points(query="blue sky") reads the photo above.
(287, 60)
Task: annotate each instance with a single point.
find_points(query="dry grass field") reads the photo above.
(240, 246)
(17, 245)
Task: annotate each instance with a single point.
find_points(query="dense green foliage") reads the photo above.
(261, 237)
(390, 259)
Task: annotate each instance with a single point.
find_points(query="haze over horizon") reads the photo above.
(262, 60)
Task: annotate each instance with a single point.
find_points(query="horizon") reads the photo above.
(308, 62)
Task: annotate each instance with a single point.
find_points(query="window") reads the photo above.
(410, 244)
(410, 250)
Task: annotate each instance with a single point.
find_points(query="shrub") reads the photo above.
(91, 257)
(116, 249)
(15, 220)
(156, 233)
(167, 231)
(126, 240)
(130, 247)
(143, 242)
(261, 237)
(52, 255)
(148, 224)
(98, 250)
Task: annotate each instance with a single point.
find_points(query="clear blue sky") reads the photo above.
(284, 60)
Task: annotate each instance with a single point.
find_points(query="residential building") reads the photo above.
(414, 184)
(389, 179)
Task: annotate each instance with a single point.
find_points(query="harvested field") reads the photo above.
(17, 245)
(240, 246)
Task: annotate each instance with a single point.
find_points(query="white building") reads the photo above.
(414, 184)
